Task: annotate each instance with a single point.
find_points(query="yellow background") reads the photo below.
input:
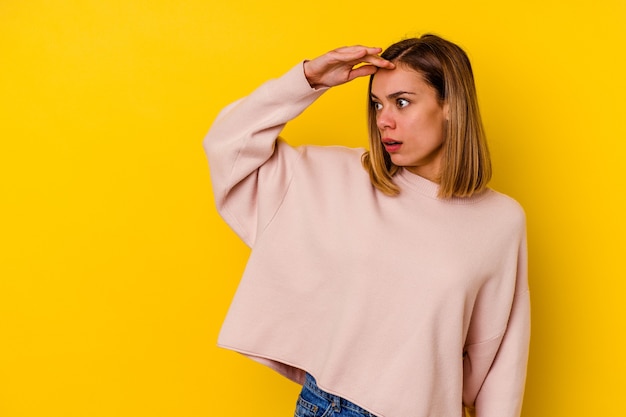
(116, 271)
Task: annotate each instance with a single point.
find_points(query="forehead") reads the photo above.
(401, 78)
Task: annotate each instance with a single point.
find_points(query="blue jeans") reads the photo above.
(313, 402)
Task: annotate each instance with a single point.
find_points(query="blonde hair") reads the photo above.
(466, 165)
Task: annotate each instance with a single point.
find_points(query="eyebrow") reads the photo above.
(393, 95)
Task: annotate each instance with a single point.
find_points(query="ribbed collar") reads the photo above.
(427, 188)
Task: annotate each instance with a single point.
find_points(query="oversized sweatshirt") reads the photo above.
(409, 306)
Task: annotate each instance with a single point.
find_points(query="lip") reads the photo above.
(391, 145)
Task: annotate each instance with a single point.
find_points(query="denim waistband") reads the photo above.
(310, 383)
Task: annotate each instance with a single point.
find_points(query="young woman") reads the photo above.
(389, 282)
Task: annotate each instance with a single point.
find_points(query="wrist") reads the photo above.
(313, 82)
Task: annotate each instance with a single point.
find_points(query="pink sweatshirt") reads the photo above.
(409, 306)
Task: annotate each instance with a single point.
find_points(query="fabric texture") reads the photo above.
(410, 306)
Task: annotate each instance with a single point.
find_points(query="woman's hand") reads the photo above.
(338, 66)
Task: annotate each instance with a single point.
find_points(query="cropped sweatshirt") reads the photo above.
(409, 306)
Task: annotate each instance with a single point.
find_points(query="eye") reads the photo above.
(402, 103)
(377, 106)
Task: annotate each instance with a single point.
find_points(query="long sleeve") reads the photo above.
(336, 262)
(503, 359)
(250, 168)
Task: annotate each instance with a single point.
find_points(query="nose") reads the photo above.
(385, 119)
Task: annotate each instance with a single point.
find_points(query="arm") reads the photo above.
(248, 174)
(496, 369)
(250, 169)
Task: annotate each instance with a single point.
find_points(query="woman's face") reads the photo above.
(410, 119)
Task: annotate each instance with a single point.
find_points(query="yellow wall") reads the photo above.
(116, 271)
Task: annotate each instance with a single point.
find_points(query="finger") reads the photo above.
(362, 71)
(375, 60)
(357, 48)
(356, 52)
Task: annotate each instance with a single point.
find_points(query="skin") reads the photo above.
(338, 66)
(410, 118)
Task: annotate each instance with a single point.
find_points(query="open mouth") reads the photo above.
(391, 145)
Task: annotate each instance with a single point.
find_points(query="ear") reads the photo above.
(446, 111)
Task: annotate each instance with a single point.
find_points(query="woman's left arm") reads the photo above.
(502, 360)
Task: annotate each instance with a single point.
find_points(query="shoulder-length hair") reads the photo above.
(466, 165)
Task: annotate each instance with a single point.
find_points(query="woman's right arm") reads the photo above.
(250, 169)
(249, 173)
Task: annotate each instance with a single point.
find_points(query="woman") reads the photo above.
(389, 282)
